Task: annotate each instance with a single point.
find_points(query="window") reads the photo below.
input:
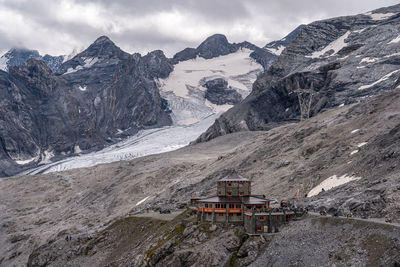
(238, 206)
(223, 206)
(229, 184)
(241, 194)
(220, 214)
(260, 228)
(229, 194)
(230, 214)
(219, 192)
(249, 218)
(217, 206)
(241, 185)
(206, 205)
(261, 218)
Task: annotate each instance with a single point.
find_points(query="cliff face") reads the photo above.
(92, 98)
(342, 59)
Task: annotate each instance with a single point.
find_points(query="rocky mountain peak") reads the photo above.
(215, 45)
(103, 47)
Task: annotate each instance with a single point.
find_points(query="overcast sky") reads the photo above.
(56, 27)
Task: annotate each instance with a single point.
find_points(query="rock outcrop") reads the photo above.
(218, 92)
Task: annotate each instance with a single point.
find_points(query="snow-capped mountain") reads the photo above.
(18, 56)
(193, 91)
(51, 115)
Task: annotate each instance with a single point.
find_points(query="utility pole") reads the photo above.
(305, 97)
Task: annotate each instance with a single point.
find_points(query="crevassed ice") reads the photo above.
(184, 91)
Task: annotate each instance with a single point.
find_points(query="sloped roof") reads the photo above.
(246, 200)
(234, 178)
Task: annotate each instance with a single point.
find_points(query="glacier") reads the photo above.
(192, 114)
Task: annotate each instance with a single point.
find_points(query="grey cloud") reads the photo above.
(55, 28)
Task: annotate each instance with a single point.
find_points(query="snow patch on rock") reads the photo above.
(335, 46)
(354, 152)
(381, 16)
(276, 51)
(27, 161)
(362, 144)
(387, 76)
(77, 149)
(46, 157)
(368, 60)
(88, 62)
(395, 40)
(332, 182)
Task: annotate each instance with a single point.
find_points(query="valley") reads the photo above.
(105, 144)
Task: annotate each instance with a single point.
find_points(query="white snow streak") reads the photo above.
(354, 152)
(331, 182)
(362, 144)
(354, 131)
(82, 88)
(395, 40)
(384, 78)
(23, 162)
(335, 46)
(141, 201)
(369, 60)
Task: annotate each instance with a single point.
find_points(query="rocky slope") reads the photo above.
(342, 60)
(96, 95)
(37, 209)
(136, 241)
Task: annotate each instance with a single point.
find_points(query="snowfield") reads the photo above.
(184, 91)
(332, 182)
(192, 114)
